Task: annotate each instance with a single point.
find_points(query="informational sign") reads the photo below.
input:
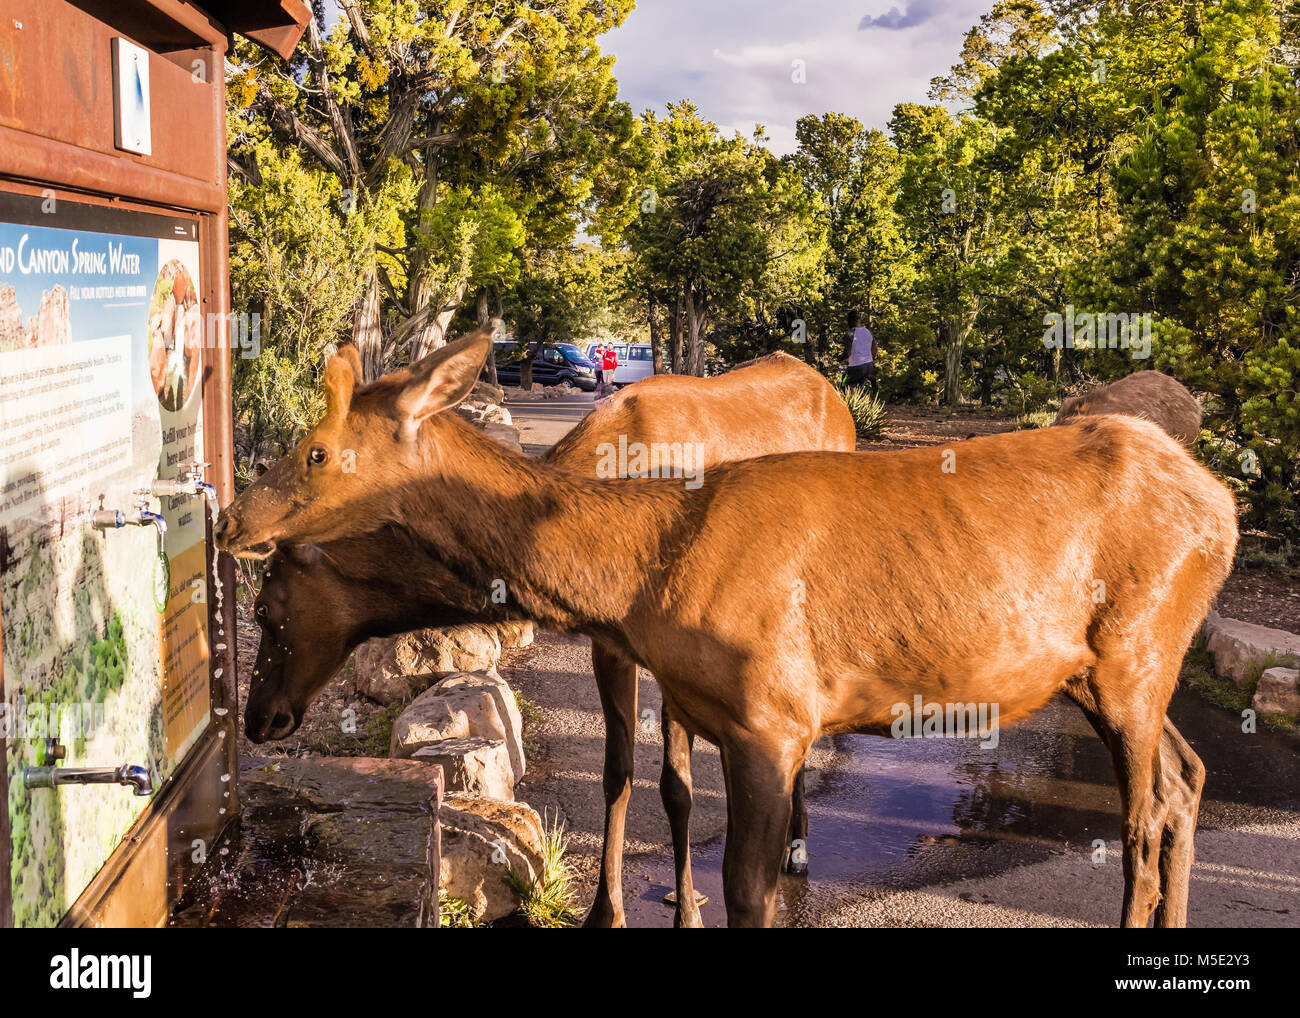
(105, 627)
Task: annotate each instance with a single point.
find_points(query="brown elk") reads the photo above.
(804, 594)
(318, 602)
(1147, 394)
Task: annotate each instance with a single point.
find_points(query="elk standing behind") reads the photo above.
(808, 593)
(318, 602)
(1147, 394)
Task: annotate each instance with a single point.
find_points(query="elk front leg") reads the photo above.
(616, 681)
(675, 791)
(760, 779)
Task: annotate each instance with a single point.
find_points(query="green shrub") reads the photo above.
(869, 416)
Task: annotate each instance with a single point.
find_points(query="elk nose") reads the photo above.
(221, 527)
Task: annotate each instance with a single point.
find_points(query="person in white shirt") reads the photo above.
(862, 355)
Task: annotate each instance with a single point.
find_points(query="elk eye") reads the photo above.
(260, 611)
(317, 455)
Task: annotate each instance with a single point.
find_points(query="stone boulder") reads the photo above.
(335, 842)
(1278, 691)
(506, 434)
(469, 713)
(483, 840)
(391, 669)
(1240, 647)
(514, 635)
(463, 706)
(477, 766)
(507, 708)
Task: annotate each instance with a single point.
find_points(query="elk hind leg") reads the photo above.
(1184, 777)
(676, 792)
(1131, 726)
(796, 850)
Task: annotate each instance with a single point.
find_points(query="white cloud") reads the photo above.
(733, 59)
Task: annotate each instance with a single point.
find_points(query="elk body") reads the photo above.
(318, 602)
(804, 594)
(1147, 394)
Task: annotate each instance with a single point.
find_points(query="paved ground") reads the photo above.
(932, 832)
(923, 832)
(542, 423)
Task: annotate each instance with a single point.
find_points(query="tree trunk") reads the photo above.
(956, 332)
(485, 319)
(433, 334)
(367, 331)
(695, 318)
(675, 336)
(656, 353)
(526, 367)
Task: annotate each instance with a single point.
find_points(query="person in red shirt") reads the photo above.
(610, 364)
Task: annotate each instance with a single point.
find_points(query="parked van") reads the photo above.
(554, 364)
(635, 361)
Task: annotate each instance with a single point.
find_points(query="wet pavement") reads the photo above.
(938, 832)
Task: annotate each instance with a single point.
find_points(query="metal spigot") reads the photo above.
(140, 516)
(128, 774)
(188, 481)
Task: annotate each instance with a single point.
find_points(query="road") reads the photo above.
(922, 832)
(543, 422)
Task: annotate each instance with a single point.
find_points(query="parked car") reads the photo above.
(635, 361)
(554, 364)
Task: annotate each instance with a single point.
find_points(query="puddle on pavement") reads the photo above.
(917, 812)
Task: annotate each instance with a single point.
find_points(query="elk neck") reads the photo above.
(573, 552)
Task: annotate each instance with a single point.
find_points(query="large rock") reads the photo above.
(506, 434)
(1278, 691)
(463, 706)
(468, 713)
(507, 708)
(391, 669)
(1238, 648)
(514, 635)
(340, 842)
(483, 840)
(476, 766)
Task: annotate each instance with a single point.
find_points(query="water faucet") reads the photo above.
(189, 481)
(140, 516)
(128, 774)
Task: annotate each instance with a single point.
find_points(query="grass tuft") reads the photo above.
(455, 913)
(547, 903)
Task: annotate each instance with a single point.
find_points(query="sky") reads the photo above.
(734, 60)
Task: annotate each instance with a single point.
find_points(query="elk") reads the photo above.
(811, 593)
(318, 602)
(1148, 394)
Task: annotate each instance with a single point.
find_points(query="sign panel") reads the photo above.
(105, 627)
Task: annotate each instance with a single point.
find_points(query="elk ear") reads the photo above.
(444, 378)
(340, 380)
(352, 355)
